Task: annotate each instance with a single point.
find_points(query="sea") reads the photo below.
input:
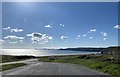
(42, 52)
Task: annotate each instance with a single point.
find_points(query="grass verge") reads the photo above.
(11, 66)
(8, 58)
(100, 63)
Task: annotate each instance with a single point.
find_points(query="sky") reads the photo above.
(59, 24)
(60, 0)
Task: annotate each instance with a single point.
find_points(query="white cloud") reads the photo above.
(16, 30)
(79, 35)
(63, 37)
(13, 37)
(47, 26)
(1, 40)
(90, 37)
(104, 34)
(13, 42)
(28, 34)
(84, 35)
(92, 30)
(7, 28)
(105, 39)
(50, 37)
(62, 25)
(40, 38)
(13, 30)
(117, 27)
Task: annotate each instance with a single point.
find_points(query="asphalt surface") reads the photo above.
(46, 68)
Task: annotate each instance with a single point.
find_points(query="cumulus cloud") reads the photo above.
(105, 39)
(40, 38)
(92, 30)
(78, 36)
(1, 40)
(64, 37)
(104, 34)
(50, 37)
(13, 37)
(13, 42)
(90, 37)
(47, 26)
(28, 34)
(84, 35)
(13, 30)
(16, 30)
(7, 28)
(62, 25)
(117, 27)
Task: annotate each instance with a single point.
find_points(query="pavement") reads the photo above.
(36, 68)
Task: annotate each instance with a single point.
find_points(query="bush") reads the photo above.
(82, 56)
(51, 58)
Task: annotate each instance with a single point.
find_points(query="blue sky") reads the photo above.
(60, 24)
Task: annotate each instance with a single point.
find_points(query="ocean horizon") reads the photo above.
(42, 52)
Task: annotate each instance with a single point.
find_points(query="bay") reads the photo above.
(33, 52)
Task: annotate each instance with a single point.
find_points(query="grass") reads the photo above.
(107, 63)
(8, 58)
(11, 66)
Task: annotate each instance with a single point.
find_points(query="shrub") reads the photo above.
(82, 56)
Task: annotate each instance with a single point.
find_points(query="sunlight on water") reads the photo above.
(33, 52)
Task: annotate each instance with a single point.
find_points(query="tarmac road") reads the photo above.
(47, 68)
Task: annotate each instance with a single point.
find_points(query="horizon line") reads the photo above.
(67, 47)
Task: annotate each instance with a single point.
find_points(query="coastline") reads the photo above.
(38, 53)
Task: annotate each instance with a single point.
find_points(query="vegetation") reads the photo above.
(8, 58)
(107, 63)
(84, 49)
(11, 66)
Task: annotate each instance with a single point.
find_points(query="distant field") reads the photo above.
(107, 64)
(11, 66)
(7, 58)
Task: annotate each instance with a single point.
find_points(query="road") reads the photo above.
(46, 68)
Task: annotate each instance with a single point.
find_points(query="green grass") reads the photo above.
(8, 58)
(11, 66)
(100, 63)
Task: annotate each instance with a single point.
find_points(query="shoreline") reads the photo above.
(72, 54)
